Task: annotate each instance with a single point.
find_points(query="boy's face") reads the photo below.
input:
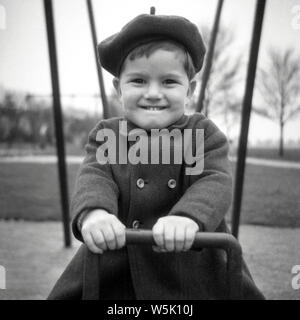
(154, 90)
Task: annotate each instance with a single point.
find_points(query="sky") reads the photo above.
(24, 61)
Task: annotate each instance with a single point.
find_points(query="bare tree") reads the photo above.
(221, 90)
(279, 86)
(10, 111)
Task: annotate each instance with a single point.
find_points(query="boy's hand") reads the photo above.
(174, 233)
(102, 230)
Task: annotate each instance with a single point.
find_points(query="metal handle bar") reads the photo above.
(220, 240)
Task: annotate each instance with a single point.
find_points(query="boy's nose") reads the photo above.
(153, 92)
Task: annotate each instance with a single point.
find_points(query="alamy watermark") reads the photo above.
(295, 23)
(2, 278)
(2, 17)
(296, 278)
(158, 147)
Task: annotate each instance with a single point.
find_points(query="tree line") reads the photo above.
(25, 118)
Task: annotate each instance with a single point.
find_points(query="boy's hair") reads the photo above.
(149, 48)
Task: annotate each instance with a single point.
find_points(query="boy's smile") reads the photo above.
(154, 90)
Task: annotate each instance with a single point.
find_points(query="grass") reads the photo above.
(31, 192)
(290, 154)
(271, 196)
(25, 149)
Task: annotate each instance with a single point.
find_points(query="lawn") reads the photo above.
(271, 196)
(30, 192)
(27, 149)
(290, 154)
(23, 149)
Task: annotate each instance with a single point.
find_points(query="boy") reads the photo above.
(154, 60)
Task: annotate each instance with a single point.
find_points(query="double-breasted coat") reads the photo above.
(138, 194)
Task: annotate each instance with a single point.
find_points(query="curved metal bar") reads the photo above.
(223, 241)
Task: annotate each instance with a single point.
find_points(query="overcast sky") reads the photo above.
(24, 62)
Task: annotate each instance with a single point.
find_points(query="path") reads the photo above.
(78, 160)
(34, 257)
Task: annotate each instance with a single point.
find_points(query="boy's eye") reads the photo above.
(138, 80)
(169, 81)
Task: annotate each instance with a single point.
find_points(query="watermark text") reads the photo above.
(296, 278)
(161, 146)
(2, 17)
(2, 278)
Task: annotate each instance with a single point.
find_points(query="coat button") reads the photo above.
(140, 183)
(172, 183)
(135, 224)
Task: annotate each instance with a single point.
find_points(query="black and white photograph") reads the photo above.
(149, 151)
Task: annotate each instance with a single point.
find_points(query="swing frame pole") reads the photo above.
(246, 112)
(58, 120)
(209, 58)
(98, 64)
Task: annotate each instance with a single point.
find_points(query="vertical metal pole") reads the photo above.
(99, 70)
(246, 111)
(58, 121)
(209, 57)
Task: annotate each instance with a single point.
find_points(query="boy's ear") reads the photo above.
(192, 88)
(116, 83)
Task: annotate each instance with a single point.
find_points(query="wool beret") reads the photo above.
(146, 28)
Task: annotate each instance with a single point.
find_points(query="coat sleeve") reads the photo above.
(209, 194)
(95, 186)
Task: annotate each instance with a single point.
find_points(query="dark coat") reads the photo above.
(141, 272)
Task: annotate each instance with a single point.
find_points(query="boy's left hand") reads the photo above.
(174, 233)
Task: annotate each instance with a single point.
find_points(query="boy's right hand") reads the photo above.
(102, 231)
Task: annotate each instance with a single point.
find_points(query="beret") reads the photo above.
(146, 28)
